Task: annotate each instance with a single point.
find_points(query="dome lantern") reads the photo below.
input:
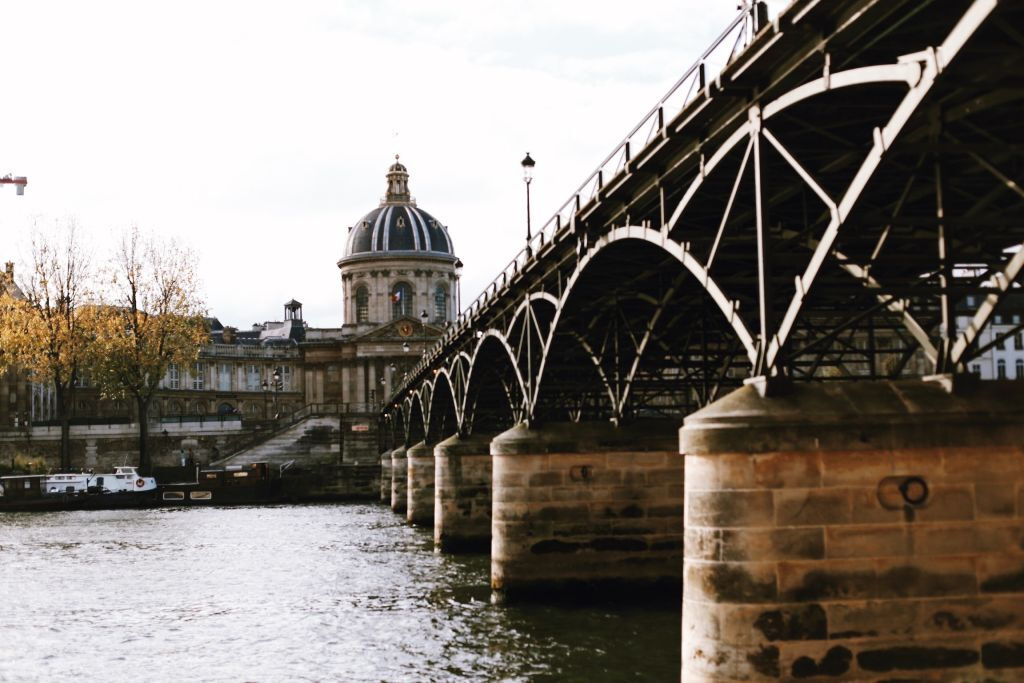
(398, 185)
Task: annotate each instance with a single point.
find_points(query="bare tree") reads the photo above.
(153, 318)
(47, 332)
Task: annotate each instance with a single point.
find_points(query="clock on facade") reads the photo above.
(405, 329)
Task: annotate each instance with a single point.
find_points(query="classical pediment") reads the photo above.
(406, 328)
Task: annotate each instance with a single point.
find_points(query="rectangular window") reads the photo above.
(198, 377)
(1018, 342)
(1019, 369)
(1001, 344)
(997, 319)
(252, 377)
(970, 301)
(173, 377)
(1001, 369)
(224, 383)
(286, 378)
(976, 370)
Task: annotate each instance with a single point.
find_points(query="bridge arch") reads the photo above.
(744, 152)
(495, 397)
(639, 317)
(442, 416)
(415, 423)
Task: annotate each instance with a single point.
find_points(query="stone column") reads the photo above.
(591, 509)
(91, 459)
(462, 493)
(861, 530)
(420, 488)
(399, 501)
(385, 477)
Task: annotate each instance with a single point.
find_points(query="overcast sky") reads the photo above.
(257, 132)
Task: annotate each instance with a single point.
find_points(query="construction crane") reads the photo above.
(19, 182)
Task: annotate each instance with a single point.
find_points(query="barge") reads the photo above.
(125, 488)
(233, 485)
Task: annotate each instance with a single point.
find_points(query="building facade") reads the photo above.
(399, 281)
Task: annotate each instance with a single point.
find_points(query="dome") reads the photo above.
(398, 225)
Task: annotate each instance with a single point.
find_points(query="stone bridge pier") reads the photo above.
(420, 484)
(385, 477)
(585, 507)
(399, 467)
(856, 530)
(462, 493)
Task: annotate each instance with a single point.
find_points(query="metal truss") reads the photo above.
(823, 210)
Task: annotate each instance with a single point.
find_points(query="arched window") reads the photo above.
(1000, 369)
(1019, 367)
(401, 300)
(362, 304)
(440, 303)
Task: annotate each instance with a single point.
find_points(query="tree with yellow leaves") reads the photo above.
(153, 317)
(47, 331)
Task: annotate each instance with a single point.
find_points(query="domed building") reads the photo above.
(399, 262)
(400, 288)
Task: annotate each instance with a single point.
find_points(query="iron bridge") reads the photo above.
(818, 198)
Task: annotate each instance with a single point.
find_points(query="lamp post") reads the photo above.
(266, 397)
(528, 164)
(423, 330)
(277, 387)
(458, 286)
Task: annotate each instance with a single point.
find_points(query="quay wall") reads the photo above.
(102, 448)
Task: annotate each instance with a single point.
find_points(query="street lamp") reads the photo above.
(423, 329)
(277, 387)
(266, 397)
(528, 164)
(458, 286)
(405, 346)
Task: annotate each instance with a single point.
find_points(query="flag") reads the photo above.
(396, 297)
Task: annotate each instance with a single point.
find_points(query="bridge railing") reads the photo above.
(729, 43)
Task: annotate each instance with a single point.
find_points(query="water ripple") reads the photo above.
(300, 593)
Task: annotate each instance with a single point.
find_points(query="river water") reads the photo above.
(308, 593)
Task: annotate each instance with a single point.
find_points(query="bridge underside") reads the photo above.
(824, 210)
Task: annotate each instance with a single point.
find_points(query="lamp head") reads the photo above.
(528, 164)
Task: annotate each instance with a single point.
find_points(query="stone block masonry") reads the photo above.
(420, 485)
(586, 508)
(856, 531)
(399, 480)
(462, 494)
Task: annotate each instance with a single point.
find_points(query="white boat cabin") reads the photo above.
(124, 479)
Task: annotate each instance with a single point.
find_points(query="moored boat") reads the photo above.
(233, 485)
(124, 488)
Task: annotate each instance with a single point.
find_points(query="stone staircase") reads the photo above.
(311, 440)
